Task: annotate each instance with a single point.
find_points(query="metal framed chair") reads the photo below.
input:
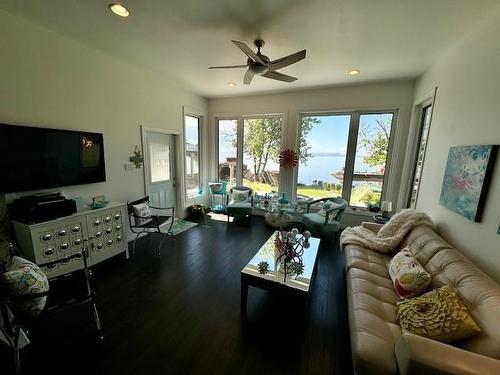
(16, 325)
(236, 208)
(160, 216)
(324, 225)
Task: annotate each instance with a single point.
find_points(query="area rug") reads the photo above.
(182, 226)
(219, 217)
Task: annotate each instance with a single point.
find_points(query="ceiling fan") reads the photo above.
(259, 64)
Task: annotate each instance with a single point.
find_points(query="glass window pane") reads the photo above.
(261, 148)
(192, 150)
(159, 161)
(227, 163)
(371, 156)
(425, 126)
(323, 148)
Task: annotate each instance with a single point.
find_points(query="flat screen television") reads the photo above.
(34, 158)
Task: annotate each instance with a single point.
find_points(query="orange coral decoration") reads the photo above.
(288, 158)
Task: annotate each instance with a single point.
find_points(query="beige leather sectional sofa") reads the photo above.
(378, 344)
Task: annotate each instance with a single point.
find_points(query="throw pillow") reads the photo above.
(144, 211)
(24, 278)
(240, 196)
(439, 315)
(331, 207)
(408, 277)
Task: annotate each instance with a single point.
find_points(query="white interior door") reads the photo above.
(159, 166)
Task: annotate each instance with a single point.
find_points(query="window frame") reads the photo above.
(240, 134)
(200, 117)
(422, 107)
(352, 141)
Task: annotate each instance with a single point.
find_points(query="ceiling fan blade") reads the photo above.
(288, 60)
(279, 76)
(247, 51)
(227, 67)
(248, 77)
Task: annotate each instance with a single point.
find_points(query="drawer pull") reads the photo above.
(77, 242)
(99, 246)
(107, 219)
(119, 238)
(97, 223)
(62, 233)
(98, 234)
(110, 242)
(117, 217)
(51, 266)
(76, 229)
(47, 237)
(64, 246)
(109, 230)
(49, 251)
(118, 227)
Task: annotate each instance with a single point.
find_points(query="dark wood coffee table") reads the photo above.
(274, 280)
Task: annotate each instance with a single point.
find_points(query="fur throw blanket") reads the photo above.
(390, 235)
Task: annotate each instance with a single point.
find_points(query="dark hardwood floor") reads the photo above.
(180, 314)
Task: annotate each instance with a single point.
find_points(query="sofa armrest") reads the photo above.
(374, 227)
(420, 355)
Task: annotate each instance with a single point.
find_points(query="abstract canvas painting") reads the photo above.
(466, 179)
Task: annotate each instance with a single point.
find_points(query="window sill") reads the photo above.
(359, 212)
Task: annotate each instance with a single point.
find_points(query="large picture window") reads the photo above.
(344, 155)
(192, 155)
(248, 151)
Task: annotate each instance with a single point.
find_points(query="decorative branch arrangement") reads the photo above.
(290, 246)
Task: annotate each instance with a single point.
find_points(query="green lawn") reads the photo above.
(359, 195)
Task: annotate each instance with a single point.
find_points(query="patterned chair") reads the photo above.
(239, 202)
(329, 223)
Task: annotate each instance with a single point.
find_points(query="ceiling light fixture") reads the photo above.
(354, 72)
(119, 10)
(231, 84)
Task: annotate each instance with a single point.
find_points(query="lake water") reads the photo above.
(316, 168)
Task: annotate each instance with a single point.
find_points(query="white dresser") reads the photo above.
(57, 239)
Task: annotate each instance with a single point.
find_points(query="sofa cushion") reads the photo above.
(424, 243)
(372, 261)
(477, 291)
(372, 322)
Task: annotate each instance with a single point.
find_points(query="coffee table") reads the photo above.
(274, 280)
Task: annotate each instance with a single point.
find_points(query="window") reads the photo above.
(159, 161)
(228, 155)
(425, 124)
(323, 147)
(370, 160)
(344, 155)
(248, 151)
(261, 148)
(192, 155)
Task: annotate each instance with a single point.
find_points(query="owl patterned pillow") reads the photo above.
(408, 277)
(142, 213)
(24, 278)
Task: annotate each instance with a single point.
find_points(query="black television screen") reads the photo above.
(37, 158)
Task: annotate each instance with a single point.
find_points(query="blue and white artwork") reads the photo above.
(466, 179)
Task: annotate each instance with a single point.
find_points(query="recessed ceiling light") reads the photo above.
(231, 84)
(354, 72)
(119, 10)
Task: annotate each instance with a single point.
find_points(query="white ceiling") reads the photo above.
(385, 39)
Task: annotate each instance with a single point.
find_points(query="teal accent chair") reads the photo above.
(320, 225)
(239, 209)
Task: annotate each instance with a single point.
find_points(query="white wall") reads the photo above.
(466, 112)
(51, 81)
(388, 95)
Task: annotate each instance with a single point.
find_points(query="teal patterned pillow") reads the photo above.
(23, 278)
